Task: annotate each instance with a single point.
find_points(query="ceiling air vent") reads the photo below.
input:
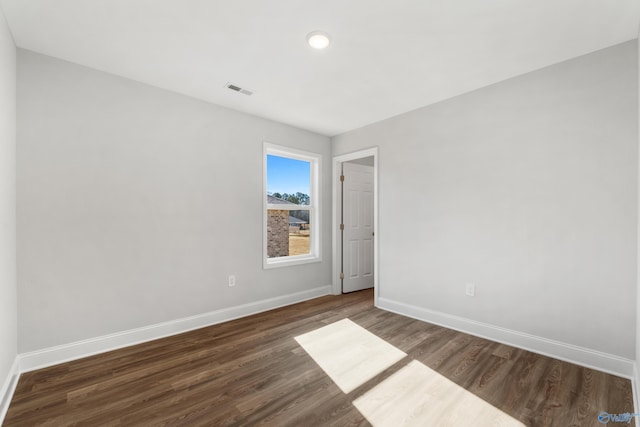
(239, 89)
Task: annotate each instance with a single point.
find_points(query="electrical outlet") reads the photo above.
(470, 289)
(232, 280)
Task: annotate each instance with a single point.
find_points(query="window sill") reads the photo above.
(290, 261)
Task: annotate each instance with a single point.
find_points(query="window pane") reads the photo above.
(287, 235)
(289, 179)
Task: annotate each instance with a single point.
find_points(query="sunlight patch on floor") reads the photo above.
(349, 354)
(415, 395)
(419, 396)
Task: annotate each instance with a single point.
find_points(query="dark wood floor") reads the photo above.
(251, 371)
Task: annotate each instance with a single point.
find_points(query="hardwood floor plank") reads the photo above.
(252, 371)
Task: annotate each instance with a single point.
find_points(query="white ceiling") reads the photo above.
(386, 57)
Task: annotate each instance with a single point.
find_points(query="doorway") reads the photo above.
(355, 222)
(357, 233)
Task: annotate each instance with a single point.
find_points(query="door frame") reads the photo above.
(335, 228)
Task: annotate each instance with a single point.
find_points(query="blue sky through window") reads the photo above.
(286, 175)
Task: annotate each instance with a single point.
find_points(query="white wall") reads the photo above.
(134, 204)
(637, 358)
(8, 304)
(527, 188)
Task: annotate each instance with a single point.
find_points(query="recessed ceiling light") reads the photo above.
(318, 39)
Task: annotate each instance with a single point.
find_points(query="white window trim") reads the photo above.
(315, 249)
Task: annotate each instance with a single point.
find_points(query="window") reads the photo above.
(291, 211)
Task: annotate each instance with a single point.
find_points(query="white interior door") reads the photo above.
(357, 215)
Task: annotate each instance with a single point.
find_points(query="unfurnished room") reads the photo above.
(301, 213)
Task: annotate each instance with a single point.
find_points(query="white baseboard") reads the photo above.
(76, 350)
(8, 387)
(593, 359)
